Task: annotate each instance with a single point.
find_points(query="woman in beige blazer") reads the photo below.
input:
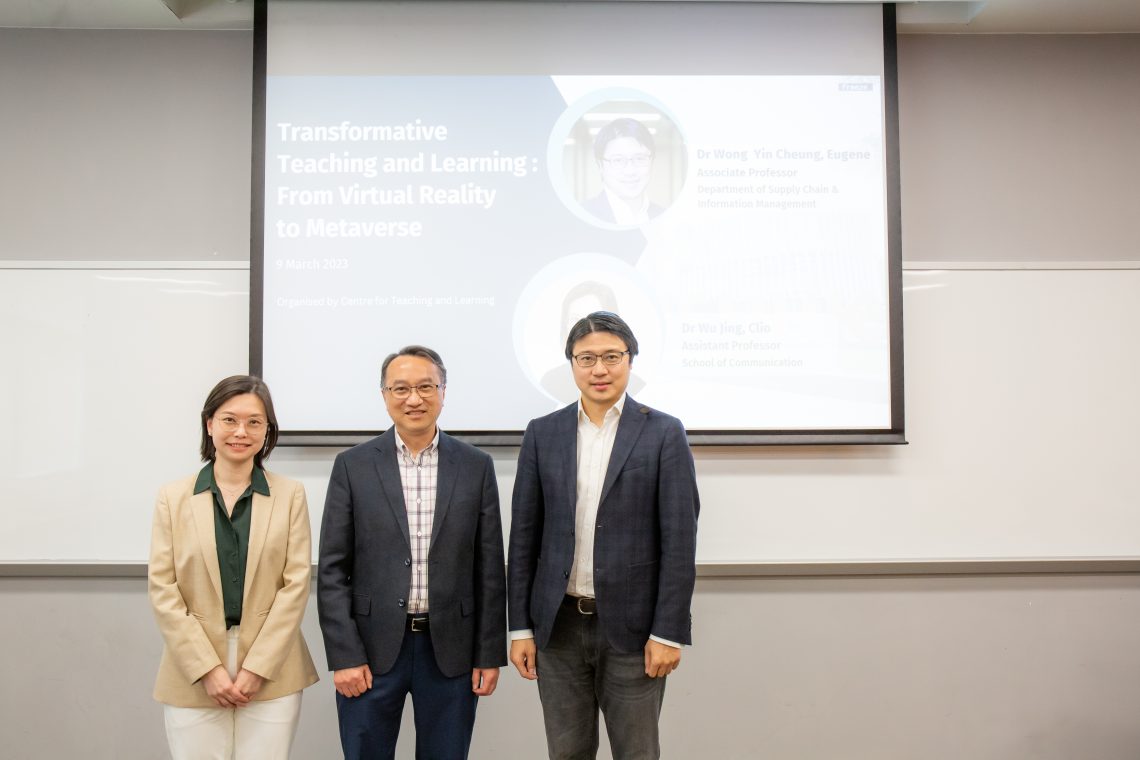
(229, 580)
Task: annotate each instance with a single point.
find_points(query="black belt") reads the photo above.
(585, 605)
(417, 623)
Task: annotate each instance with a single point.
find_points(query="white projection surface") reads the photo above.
(475, 177)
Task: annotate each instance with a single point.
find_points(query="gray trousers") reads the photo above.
(578, 673)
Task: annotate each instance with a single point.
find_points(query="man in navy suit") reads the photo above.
(411, 592)
(602, 553)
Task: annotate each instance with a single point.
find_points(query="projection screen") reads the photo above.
(475, 176)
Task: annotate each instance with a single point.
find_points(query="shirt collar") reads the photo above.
(623, 214)
(259, 482)
(616, 409)
(402, 448)
(206, 482)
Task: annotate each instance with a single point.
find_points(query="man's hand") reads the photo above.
(661, 659)
(523, 653)
(352, 682)
(484, 680)
(248, 682)
(222, 690)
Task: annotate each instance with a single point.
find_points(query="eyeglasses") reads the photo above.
(253, 425)
(423, 390)
(622, 162)
(609, 358)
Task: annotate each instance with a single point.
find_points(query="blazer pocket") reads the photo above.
(632, 464)
(643, 573)
(361, 604)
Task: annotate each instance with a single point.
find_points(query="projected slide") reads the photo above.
(736, 222)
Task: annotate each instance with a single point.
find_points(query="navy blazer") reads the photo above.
(644, 540)
(365, 568)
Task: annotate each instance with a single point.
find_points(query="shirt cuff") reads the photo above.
(525, 633)
(666, 642)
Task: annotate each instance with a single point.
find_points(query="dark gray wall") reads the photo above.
(1020, 148)
(125, 145)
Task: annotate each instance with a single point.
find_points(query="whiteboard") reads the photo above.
(105, 372)
(1023, 415)
(1022, 412)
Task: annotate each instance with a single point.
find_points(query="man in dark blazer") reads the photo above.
(411, 592)
(602, 553)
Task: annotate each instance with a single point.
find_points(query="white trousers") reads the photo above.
(257, 731)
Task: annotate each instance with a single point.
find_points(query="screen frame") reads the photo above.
(894, 435)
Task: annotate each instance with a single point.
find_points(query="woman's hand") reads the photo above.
(222, 690)
(248, 683)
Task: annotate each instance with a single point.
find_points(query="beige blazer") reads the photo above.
(186, 592)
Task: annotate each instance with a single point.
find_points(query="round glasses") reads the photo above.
(253, 426)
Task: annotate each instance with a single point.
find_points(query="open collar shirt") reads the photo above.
(418, 478)
(595, 444)
(623, 214)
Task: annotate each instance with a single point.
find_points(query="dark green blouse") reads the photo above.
(231, 533)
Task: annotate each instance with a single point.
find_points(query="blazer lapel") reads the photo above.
(202, 505)
(566, 436)
(630, 425)
(262, 507)
(445, 484)
(388, 471)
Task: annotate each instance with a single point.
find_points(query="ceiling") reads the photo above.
(920, 17)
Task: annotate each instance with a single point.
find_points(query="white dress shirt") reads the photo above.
(595, 444)
(623, 214)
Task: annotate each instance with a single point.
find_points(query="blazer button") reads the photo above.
(565, 575)
(401, 602)
(407, 563)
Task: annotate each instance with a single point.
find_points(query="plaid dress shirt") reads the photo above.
(418, 476)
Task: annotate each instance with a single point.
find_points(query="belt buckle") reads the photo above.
(416, 622)
(589, 603)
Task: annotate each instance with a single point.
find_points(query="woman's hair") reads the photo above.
(623, 127)
(239, 385)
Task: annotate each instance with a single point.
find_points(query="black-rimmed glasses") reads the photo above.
(609, 358)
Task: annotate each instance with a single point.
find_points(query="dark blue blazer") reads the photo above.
(644, 540)
(364, 571)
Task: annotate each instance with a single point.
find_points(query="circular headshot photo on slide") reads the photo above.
(564, 292)
(617, 159)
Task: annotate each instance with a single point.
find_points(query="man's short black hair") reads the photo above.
(601, 321)
(421, 351)
(623, 127)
